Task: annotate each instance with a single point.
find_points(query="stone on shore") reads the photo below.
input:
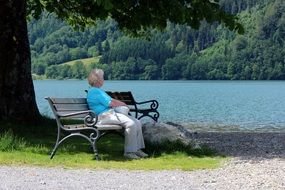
(167, 132)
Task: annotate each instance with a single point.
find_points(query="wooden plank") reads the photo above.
(126, 97)
(128, 102)
(108, 127)
(68, 100)
(80, 116)
(75, 126)
(71, 107)
(100, 127)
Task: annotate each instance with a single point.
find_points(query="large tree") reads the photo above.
(17, 97)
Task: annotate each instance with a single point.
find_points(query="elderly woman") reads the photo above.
(104, 106)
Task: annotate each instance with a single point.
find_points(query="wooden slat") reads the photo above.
(80, 116)
(75, 126)
(126, 97)
(128, 102)
(68, 100)
(108, 127)
(100, 127)
(71, 107)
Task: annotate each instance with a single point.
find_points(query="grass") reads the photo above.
(31, 145)
(85, 61)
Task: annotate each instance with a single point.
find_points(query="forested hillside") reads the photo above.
(178, 52)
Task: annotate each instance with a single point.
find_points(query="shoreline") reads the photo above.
(214, 127)
(244, 144)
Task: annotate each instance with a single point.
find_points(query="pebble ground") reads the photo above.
(258, 163)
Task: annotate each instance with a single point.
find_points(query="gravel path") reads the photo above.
(237, 174)
(258, 163)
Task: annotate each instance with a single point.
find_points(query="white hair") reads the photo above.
(94, 76)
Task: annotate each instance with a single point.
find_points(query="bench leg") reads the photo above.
(58, 143)
(95, 150)
(53, 152)
(94, 138)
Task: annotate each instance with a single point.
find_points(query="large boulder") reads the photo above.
(167, 132)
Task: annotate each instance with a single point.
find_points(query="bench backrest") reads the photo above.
(125, 97)
(68, 105)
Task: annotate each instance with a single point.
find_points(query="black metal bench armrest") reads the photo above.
(90, 119)
(154, 104)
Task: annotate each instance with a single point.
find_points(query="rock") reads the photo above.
(162, 132)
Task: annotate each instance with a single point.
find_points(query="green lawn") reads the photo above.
(32, 145)
(85, 61)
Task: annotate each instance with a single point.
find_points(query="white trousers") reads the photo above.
(133, 129)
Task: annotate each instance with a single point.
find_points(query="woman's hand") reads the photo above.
(116, 103)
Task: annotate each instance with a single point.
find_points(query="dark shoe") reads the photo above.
(131, 155)
(141, 154)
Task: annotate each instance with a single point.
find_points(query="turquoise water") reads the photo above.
(242, 104)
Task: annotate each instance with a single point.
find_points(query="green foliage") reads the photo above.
(134, 16)
(150, 72)
(178, 52)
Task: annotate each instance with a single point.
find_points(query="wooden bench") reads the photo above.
(140, 109)
(87, 128)
(77, 108)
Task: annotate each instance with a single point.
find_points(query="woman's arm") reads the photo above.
(116, 103)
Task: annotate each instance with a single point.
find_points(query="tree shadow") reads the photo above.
(245, 145)
(157, 149)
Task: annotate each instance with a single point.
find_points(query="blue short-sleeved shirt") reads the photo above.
(98, 100)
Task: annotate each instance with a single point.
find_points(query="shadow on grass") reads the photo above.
(42, 127)
(40, 138)
(155, 150)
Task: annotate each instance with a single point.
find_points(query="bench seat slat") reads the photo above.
(100, 127)
(69, 100)
(126, 97)
(71, 107)
(128, 102)
(109, 127)
(61, 113)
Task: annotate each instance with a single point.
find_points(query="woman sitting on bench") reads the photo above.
(104, 106)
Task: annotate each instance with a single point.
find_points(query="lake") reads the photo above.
(250, 105)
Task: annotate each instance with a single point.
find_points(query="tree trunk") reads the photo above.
(17, 96)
